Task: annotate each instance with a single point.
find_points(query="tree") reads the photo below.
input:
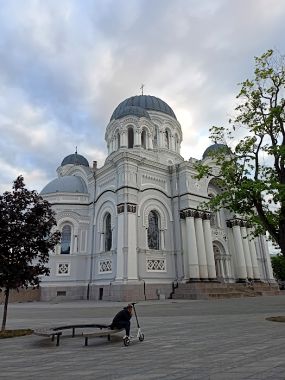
(278, 266)
(249, 166)
(26, 223)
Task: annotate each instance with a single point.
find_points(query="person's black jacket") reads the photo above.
(121, 316)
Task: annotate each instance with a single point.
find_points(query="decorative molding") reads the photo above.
(120, 208)
(156, 265)
(194, 213)
(131, 207)
(63, 269)
(105, 266)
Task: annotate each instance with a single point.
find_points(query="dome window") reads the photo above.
(130, 137)
(167, 139)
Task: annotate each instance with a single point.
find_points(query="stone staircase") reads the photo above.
(215, 290)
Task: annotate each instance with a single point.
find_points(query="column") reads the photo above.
(209, 247)
(132, 264)
(137, 137)
(264, 247)
(149, 137)
(246, 250)
(255, 268)
(120, 242)
(123, 138)
(241, 265)
(192, 252)
(202, 258)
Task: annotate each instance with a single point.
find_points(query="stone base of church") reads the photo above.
(23, 295)
(63, 292)
(130, 292)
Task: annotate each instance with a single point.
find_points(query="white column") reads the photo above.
(264, 246)
(192, 249)
(240, 261)
(209, 249)
(124, 142)
(120, 243)
(246, 250)
(202, 258)
(132, 271)
(162, 240)
(149, 137)
(255, 268)
(137, 137)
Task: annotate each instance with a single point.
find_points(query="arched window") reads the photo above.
(65, 240)
(118, 140)
(130, 137)
(108, 233)
(143, 139)
(153, 230)
(167, 139)
(176, 143)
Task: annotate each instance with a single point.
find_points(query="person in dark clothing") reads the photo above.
(122, 319)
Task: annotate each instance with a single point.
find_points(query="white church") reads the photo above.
(132, 229)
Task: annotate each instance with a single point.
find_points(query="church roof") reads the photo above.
(215, 147)
(75, 159)
(66, 184)
(132, 110)
(147, 102)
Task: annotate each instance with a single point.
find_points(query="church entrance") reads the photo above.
(222, 262)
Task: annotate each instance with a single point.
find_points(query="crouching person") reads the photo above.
(122, 320)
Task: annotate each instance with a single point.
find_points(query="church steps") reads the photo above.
(209, 290)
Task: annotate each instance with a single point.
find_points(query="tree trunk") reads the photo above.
(5, 309)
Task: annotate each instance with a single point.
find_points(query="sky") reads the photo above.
(65, 66)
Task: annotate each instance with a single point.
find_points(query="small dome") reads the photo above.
(75, 159)
(215, 147)
(132, 110)
(147, 102)
(66, 184)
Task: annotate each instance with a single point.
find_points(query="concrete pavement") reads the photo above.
(215, 340)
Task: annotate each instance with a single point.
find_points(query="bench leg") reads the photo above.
(73, 332)
(57, 339)
(86, 341)
(52, 338)
(109, 337)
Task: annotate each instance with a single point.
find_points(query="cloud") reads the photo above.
(66, 65)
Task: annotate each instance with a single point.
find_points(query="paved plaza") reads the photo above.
(216, 340)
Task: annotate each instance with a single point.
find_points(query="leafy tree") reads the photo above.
(249, 166)
(278, 266)
(26, 222)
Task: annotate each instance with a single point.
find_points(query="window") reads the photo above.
(65, 240)
(108, 233)
(155, 136)
(130, 137)
(118, 140)
(167, 139)
(143, 139)
(153, 230)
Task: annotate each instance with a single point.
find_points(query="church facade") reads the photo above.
(132, 229)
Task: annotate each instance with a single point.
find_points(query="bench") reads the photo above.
(49, 333)
(58, 331)
(103, 332)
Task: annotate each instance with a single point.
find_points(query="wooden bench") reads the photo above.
(49, 333)
(103, 332)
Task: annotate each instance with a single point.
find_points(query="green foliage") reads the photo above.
(278, 266)
(26, 223)
(252, 174)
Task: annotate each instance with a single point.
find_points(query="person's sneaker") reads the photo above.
(126, 336)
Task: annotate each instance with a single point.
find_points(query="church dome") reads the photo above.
(132, 110)
(66, 184)
(145, 102)
(215, 147)
(75, 159)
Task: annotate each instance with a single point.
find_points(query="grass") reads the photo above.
(14, 333)
(276, 319)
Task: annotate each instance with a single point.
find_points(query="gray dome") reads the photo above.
(66, 184)
(146, 102)
(75, 159)
(132, 110)
(215, 147)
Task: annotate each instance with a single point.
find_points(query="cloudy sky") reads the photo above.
(65, 65)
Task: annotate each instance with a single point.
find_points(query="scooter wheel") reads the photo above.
(141, 338)
(126, 341)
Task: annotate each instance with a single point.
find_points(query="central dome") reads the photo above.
(146, 102)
